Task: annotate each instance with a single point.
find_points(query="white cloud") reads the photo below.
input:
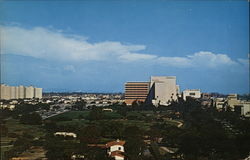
(47, 44)
(136, 57)
(55, 45)
(175, 61)
(244, 61)
(70, 68)
(199, 59)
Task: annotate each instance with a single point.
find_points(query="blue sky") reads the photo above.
(96, 46)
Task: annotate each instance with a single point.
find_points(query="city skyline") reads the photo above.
(94, 46)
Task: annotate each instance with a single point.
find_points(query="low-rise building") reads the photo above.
(194, 93)
(219, 104)
(70, 134)
(115, 149)
(232, 103)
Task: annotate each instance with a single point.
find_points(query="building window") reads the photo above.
(192, 94)
(119, 148)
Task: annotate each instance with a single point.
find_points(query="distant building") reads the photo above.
(242, 107)
(38, 93)
(21, 92)
(29, 92)
(5, 92)
(13, 92)
(136, 91)
(194, 93)
(70, 134)
(232, 100)
(115, 149)
(16, 92)
(178, 92)
(220, 104)
(163, 90)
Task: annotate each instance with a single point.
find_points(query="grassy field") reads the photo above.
(71, 115)
(17, 128)
(136, 118)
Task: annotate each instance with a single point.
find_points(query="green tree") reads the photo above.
(96, 114)
(31, 118)
(90, 135)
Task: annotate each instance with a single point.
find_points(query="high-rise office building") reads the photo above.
(161, 90)
(136, 91)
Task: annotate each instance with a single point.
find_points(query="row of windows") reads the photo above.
(136, 87)
(131, 84)
(141, 89)
(135, 96)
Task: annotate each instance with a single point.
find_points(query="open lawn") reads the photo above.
(16, 128)
(79, 118)
(71, 115)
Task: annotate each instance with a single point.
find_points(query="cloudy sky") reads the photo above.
(95, 46)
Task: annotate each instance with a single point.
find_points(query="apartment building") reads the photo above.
(21, 92)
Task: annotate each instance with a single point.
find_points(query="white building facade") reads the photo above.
(21, 92)
(194, 93)
(115, 149)
(165, 89)
(29, 92)
(38, 93)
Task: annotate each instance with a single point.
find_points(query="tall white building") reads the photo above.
(17, 92)
(29, 92)
(21, 92)
(164, 89)
(13, 92)
(38, 93)
(5, 92)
